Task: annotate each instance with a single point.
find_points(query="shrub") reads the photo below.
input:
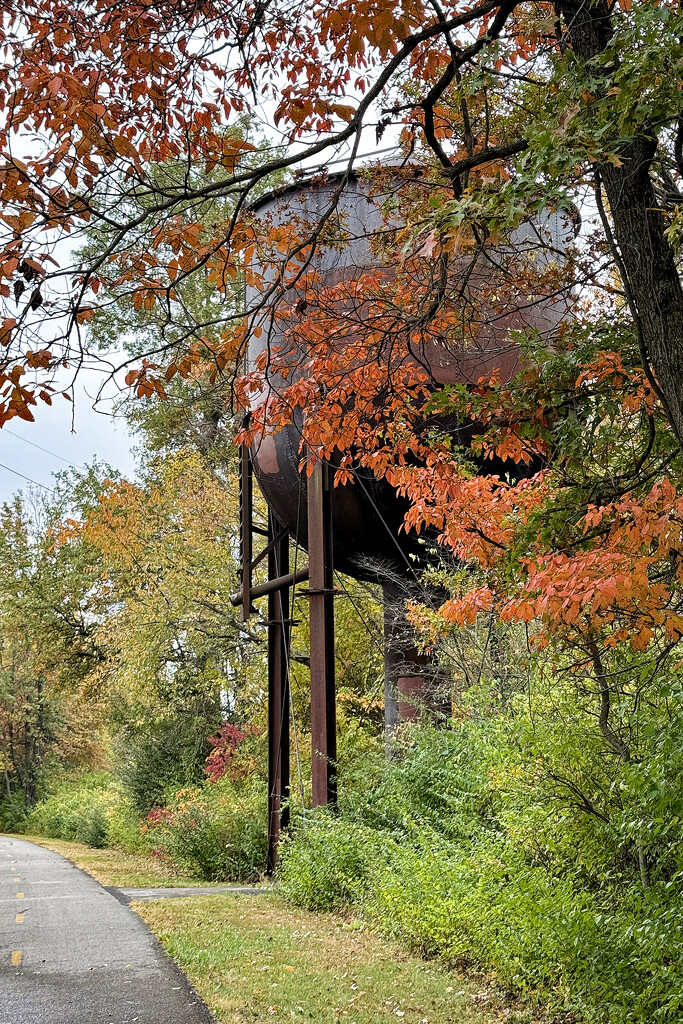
(218, 833)
(223, 747)
(327, 863)
(440, 782)
(13, 811)
(607, 955)
(124, 831)
(79, 814)
(161, 758)
(89, 808)
(461, 851)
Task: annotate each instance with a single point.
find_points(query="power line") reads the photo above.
(24, 477)
(47, 451)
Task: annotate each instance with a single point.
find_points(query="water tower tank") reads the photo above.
(367, 515)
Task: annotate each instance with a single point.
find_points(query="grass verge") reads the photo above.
(114, 867)
(257, 959)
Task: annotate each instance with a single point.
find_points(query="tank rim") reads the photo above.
(321, 176)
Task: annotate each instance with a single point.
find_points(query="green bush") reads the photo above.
(13, 811)
(89, 808)
(467, 848)
(162, 757)
(217, 832)
(608, 957)
(328, 862)
(439, 783)
(80, 815)
(124, 830)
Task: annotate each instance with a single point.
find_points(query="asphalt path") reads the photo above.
(128, 895)
(72, 953)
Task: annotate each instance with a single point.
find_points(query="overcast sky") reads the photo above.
(37, 450)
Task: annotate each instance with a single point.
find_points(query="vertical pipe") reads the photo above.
(246, 553)
(321, 596)
(278, 692)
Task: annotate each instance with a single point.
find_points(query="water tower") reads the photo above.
(353, 528)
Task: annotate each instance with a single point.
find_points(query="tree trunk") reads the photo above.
(647, 261)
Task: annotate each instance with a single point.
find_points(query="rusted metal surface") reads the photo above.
(280, 579)
(262, 589)
(279, 629)
(402, 660)
(367, 518)
(321, 618)
(246, 510)
(267, 548)
(368, 515)
(411, 697)
(364, 521)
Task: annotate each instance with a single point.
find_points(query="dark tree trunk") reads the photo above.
(647, 260)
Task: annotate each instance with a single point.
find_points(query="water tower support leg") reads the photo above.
(246, 514)
(391, 674)
(279, 624)
(321, 595)
(405, 669)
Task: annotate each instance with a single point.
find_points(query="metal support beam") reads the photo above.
(391, 672)
(321, 598)
(246, 510)
(270, 586)
(266, 549)
(279, 627)
(412, 682)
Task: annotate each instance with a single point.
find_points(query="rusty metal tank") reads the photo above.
(368, 515)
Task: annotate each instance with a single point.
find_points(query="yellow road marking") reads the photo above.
(19, 918)
(20, 895)
(17, 879)
(16, 956)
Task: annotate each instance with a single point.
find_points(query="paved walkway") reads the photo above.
(70, 953)
(128, 895)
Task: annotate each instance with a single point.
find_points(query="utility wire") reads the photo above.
(47, 451)
(24, 477)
